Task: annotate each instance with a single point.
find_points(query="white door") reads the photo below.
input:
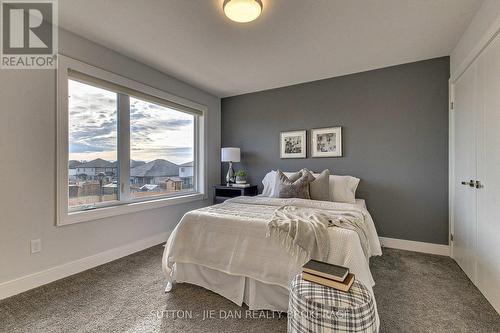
(464, 170)
(488, 173)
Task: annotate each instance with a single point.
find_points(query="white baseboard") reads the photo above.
(24, 283)
(19, 285)
(402, 244)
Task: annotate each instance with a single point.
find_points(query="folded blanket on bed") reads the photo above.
(303, 231)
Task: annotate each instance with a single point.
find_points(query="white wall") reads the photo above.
(482, 27)
(28, 166)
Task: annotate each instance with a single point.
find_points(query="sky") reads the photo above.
(156, 131)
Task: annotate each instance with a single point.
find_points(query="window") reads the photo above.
(162, 143)
(93, 145)
(123, 146)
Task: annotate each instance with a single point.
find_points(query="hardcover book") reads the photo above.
(326, 270)
(342, 286)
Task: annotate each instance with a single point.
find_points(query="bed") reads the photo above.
(224, 248)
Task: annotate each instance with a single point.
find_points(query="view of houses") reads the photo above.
(97, 180)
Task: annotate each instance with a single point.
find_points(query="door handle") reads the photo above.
(471, 183)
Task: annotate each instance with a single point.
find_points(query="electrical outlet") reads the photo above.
(36, 245)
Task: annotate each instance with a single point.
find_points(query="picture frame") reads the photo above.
(293, 144)
(326, 142)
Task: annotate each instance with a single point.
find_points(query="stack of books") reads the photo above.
(239, 185)
(328, 275)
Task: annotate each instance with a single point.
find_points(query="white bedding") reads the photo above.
(231, 238)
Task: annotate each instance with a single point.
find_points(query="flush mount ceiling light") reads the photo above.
(242, 10)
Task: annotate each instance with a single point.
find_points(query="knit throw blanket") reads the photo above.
(303, 232)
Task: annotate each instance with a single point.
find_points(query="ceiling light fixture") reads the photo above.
(242, 10)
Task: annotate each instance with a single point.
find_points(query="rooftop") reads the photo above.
(173, 179)
(98, 163)
(156, 168)
(74, 164)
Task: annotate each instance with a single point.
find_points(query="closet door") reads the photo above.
(464, 171)
(488, 168)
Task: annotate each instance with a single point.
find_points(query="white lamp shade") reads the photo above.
(230, 154)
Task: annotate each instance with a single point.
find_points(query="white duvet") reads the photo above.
(231, 238)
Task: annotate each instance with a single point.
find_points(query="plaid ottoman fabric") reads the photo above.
(314, 308)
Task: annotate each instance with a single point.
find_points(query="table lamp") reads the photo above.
(230, 154)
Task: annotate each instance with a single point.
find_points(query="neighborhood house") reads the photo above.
(97, 180)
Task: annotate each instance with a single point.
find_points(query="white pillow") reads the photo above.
(266, 181)
(343, 188)
(270, 183)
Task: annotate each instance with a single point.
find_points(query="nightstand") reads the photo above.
(224, 192)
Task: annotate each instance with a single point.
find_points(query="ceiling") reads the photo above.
(293, 41)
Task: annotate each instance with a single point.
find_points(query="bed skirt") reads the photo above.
(238, 289)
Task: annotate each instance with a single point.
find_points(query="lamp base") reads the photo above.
(230, 174)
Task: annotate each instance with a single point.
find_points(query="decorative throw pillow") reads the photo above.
(297, 189)
(319, 188)
(294, 176)
(271, 183)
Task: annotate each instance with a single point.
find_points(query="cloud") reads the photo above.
(185, 151)
(87, 148)
(175, 124)
(156, 131)
(92, 128)
(92, 119)
(174, 154)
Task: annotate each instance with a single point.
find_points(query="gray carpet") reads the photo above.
(415, 293)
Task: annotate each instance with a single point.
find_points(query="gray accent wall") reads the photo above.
(395, 138)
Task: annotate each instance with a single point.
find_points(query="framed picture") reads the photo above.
(293, 144)
(326, 142)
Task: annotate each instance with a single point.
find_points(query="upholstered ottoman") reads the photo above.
(314, 308)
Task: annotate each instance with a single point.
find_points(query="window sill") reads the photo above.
(104, 212)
